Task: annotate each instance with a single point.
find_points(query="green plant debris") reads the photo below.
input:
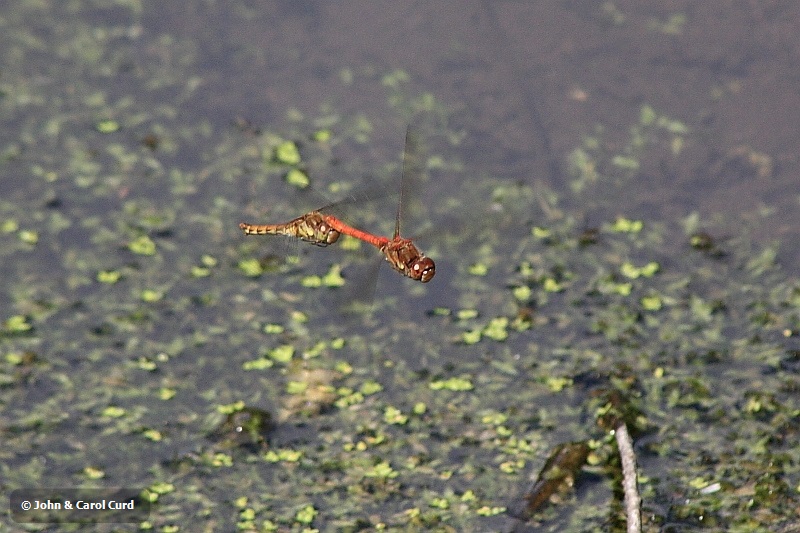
(311, 282)
(284, 455)
(467, 314)
(316, 350)
(382, 470)
(557, 384)
(286, 153)
(322, 136)
(93, 473)
(109, 276)
(458, 384)
(522, 293)
(251, 267)
(259, 364)
(14, 358)
(17, 324)
(273, 329)
(334, 277)
(107, 126)
(392, 415)
(298, 317)
(9, 226)
(583, 167)
(306, 515)
(338, 343)
(297, 178)
(282, 354)
(494, 419)
(551, 285)
(652, 302)
(478, 269)
(151, 295)
(348, 397)
(114, 412)
(200, 272)
(159, 488)
(439, 503)
(147, 364)
(296, 387)
(231, 408)
(541, 233)
(625, 162)
(490, 511)
(370, 387)
(29, 237)
(142, 245)
(471, 337)
(219, 460)
(166, 393)
(153, 435)
(624, 225)
(633, 272)
(497, 329)
(344, 367)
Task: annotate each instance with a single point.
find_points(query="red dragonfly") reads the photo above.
(322, 229)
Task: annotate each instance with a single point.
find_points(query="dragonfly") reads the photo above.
(322, 229)
(312, 227)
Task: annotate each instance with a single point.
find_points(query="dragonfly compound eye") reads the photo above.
(331, 235)
(424, 269)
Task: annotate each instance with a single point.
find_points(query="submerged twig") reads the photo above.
(632, 498)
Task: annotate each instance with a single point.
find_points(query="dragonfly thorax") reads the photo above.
(408, 260)
(314, 228)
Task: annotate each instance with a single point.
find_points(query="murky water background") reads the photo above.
(610, 195)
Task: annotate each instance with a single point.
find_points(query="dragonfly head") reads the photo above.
(423, 269)
(329, 234)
